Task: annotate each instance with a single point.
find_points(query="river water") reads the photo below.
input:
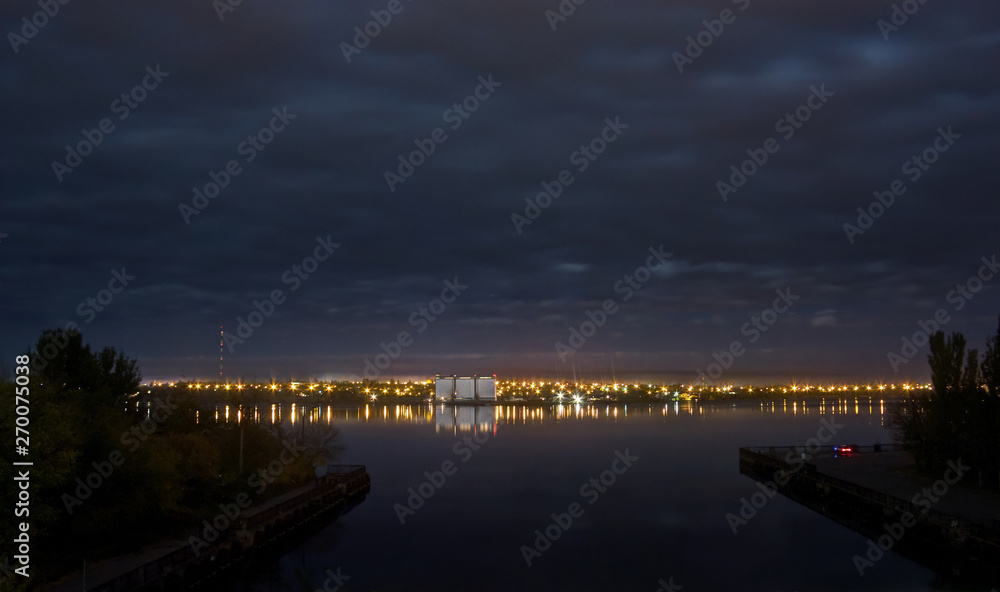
(482, 518)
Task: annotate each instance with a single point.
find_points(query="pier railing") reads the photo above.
(348, 476)
(783, 450)
(346, 480)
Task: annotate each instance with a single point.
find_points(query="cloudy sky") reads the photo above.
(506, 94)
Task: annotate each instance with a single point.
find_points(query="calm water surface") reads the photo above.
(664, 517)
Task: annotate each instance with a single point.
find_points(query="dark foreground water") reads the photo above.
(663, 519)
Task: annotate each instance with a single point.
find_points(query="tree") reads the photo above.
(946, 359)
(958, 419)
(322, 444)
(61, 359)
(118, 374)
(113, 478)
(991, 363)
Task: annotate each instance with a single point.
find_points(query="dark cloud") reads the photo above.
(655, 184)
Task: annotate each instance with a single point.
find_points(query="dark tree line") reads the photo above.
(61, 359)
(960, 416)
(172, 469)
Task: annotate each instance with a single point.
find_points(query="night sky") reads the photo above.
(315, 129)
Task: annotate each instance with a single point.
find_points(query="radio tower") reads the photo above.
(220, 354)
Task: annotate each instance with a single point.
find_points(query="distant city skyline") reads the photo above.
(251, 370)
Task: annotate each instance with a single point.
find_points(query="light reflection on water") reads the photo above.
(471, 418)
(665, 517)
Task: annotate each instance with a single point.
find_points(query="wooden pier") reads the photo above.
(959, 536)
(260, 533)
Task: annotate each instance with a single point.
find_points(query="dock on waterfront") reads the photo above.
(258, 532)
(956, 530)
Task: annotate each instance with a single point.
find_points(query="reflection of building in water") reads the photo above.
(454, 418)
(465, 388)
